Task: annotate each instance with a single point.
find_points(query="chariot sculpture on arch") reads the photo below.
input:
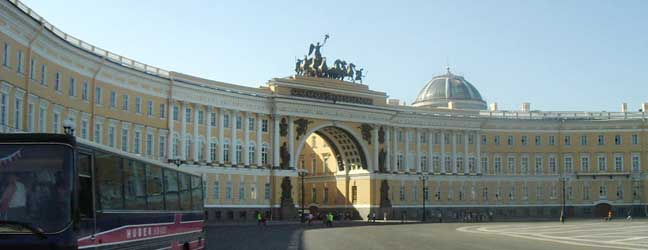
(314, 65)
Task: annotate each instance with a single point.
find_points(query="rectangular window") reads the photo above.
(6, 55)
(585, 164)
(113, 99)
(171, 190)
(124, 140)
(228, 191)
(583, 140)
(111, 136)
(216, 190)
(484, 140)
(98, 96)
(635, 139)
(567, 140)
(176, 113)
(42, 114)
(125, 102)
(72, 89)
(84, 91)
(524, 140)
(134, 184)
(4, 103)
(354, 194)
(187, 114)
(239, 122)
(55, 122)
(149, 108)
(149, 144)
(266, 191)
(84, 129)
(32, 69)
(635, 163)
(162, 110)
(484, 165)
(19, 58)
(524, 164)
(511, 165)
(154, 187)
(241, 191)
(212, 119)
(57, 82)
(226, 121)
(162, 146)
(568, 164)
(552, 165)
(617, 139)
(30, 117)
(498, 165)
(18, 114)
(251, 123)
(601, 140)
(496, 140)
(43, 79)
(264, 125)
(109, 179)
(552, 140)
(138, 105)
(618, 163)
(97, 133)
(602, 163)
(538, 165)
(200, 117)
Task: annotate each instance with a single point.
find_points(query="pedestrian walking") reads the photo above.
(259, 218)
(373, 217)
(629, 217)
(329, 219)
(609, 217)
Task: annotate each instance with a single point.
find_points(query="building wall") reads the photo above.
(67, 80)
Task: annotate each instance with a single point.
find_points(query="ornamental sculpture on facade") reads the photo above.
(314, 65)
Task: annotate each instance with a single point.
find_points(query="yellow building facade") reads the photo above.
(363, 153)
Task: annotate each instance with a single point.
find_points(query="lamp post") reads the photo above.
(423, 178)
(175, 161)
(302, 173)
(563, 178)
(68, 127)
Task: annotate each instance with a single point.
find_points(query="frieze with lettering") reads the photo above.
(321, 95)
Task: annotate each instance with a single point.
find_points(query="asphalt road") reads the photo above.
(358, 235)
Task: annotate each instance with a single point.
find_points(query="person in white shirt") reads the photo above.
(14, 199)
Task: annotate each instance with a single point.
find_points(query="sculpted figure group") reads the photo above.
(315, 66)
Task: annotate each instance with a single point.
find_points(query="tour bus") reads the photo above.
(57, 192)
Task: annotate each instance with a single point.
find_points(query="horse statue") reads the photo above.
(350, 71)
(358, 75)
(299, 70)
(322, 69)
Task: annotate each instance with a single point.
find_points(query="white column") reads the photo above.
(374, 139)
(208, 130)
(221, 135)
(195, 134)
(246, 139)
(259, 139)
(430, 150)
(478, 152)
(443, 155)
(466, 158)
(183, 131)
(454, 151)
(291, 142)
(275, 142)
(395, 151)
(406, 150)
(388, 163)
(233, 141)
(170, 137)
(418, 151)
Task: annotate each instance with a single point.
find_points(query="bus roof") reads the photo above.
(38, 138)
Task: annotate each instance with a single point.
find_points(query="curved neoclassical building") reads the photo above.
(363, 153)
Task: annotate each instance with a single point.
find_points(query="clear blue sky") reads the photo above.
(558, 55)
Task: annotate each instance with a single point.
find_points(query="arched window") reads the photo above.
(264, 154)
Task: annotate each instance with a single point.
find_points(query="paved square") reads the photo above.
(619, 234)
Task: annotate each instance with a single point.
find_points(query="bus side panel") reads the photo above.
(130, 229)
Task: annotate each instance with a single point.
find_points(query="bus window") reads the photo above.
(154, 187)
(109, 181)
(85, 186)
(185, 192)
(196, 193)
(134, 184)
(171, 190)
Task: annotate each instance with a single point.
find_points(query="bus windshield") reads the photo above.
(35, 187)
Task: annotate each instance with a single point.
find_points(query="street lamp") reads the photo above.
(302, 173)
(562, 212)
(423, 178)
(175, 161)
(68, 127)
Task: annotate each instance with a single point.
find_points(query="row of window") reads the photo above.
(226, 119)
(463, 195)
(567, 140)
(226, 153)
(134, 185)
(523, 166)
(243, 192)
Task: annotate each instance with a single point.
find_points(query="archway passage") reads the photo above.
(346, 148)
(602, 209)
